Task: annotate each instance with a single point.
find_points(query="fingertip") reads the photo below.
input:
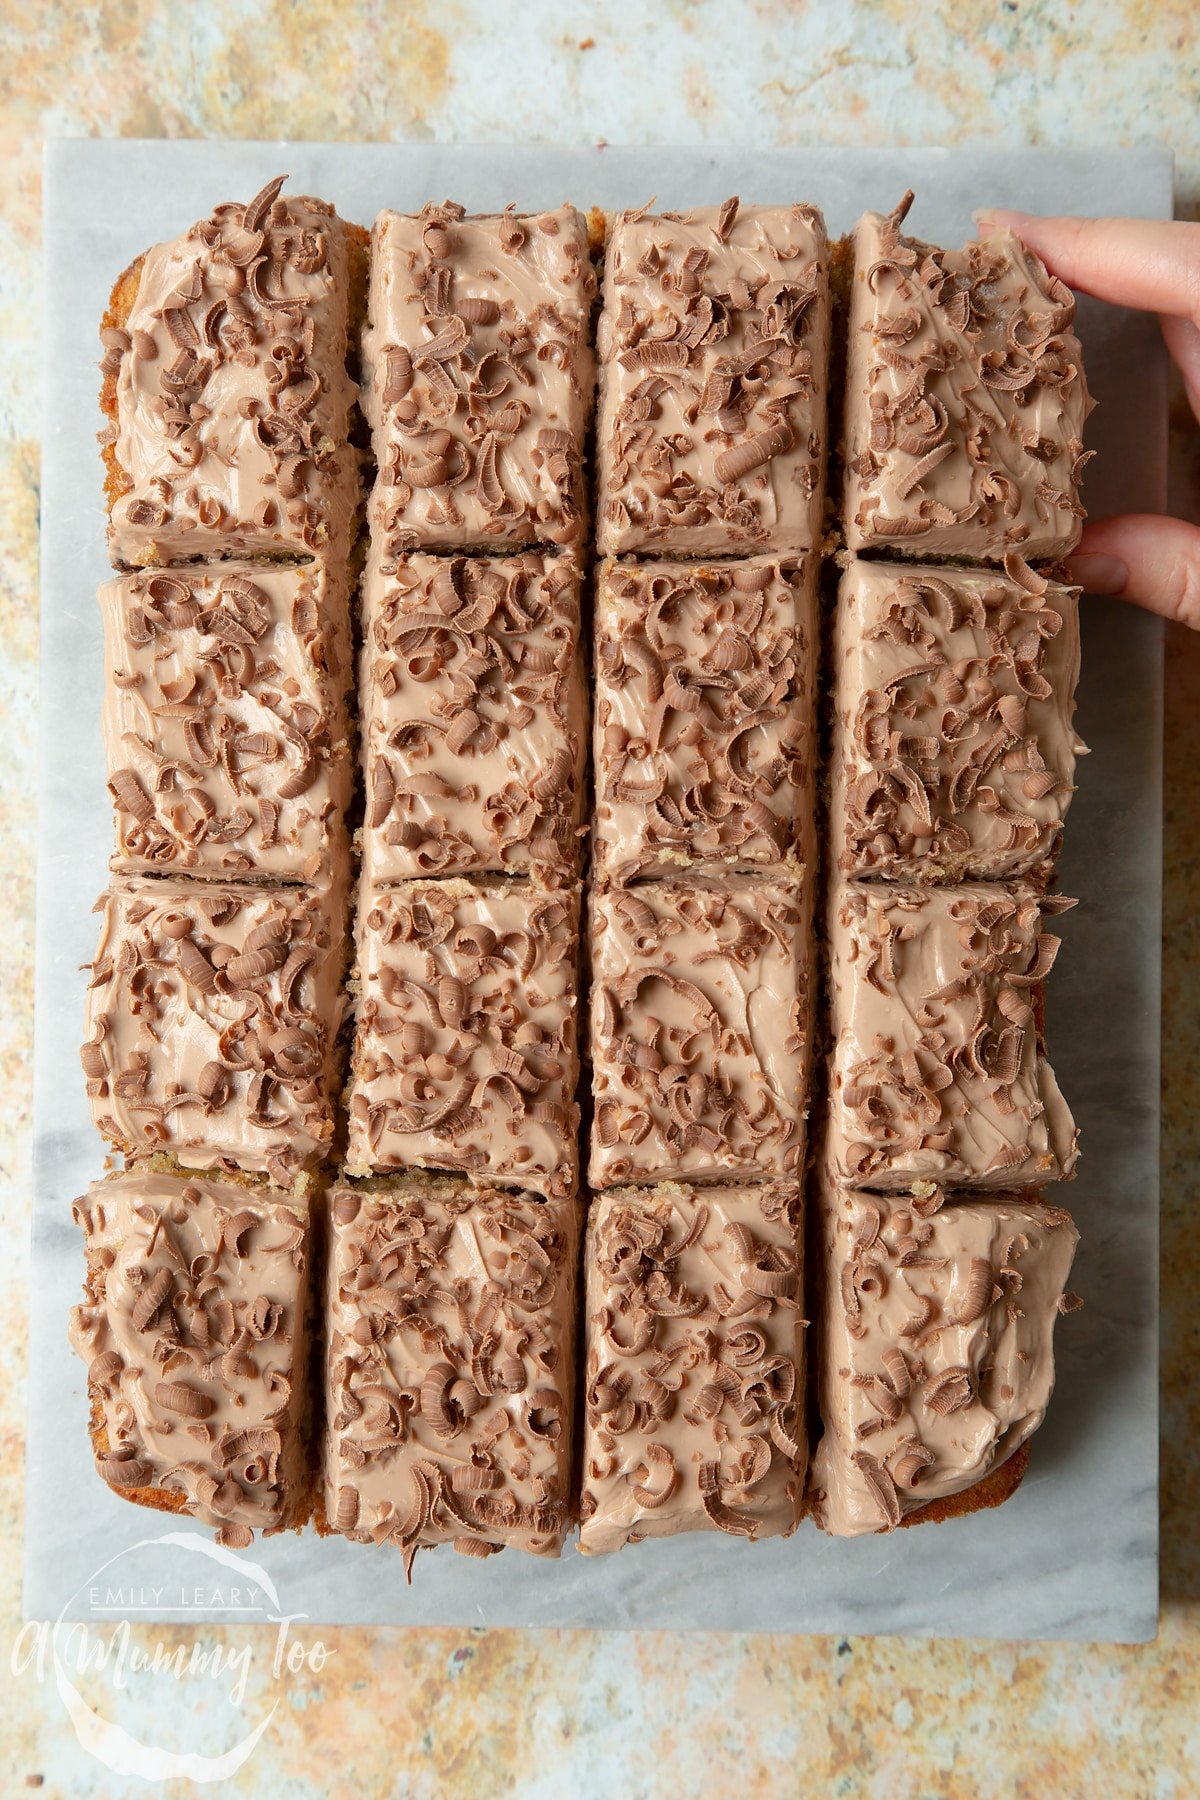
(989, 219)
(1098, 572)
(1151, 560)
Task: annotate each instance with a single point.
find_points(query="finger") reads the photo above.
(1183, 341)
(1152, 264)
(1152, 561)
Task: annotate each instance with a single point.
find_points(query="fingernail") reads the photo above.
(1098, 574)
(990, 218)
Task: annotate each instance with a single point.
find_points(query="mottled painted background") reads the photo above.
(489, 1713)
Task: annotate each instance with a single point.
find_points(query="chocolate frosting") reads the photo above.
(937, 1071)
(195, 1338)
(450, 1367)
(713, 347)
(953, 747)
(212, 1017)
(694, 1379)
(700, 1031)
(225, 722)
(478, 378)
(937, 1358)
(215, 1004)
(965, 399)
(465, 1053)
(233, 399)
(474, 717)
(704, 716)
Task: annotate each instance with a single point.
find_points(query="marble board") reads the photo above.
(1074, 1553)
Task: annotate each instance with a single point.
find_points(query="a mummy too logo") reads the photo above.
(187, 1699)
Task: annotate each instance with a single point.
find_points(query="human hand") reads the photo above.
(1155, 267)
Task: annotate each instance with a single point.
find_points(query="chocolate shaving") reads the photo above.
(753, 452)
(881, 1485)
(725, 1518)
(726, 218)
(178, 1397)
(151, 1300)
(950, 1391)
(255, 213)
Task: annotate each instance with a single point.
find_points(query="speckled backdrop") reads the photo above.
(448, 1712)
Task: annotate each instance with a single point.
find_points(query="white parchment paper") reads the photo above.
(1074, 1554)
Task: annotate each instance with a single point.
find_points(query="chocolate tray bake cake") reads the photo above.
(570, 994)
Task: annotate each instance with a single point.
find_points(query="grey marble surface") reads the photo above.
(1074, 1554)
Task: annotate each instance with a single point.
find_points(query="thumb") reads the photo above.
(1155, 562)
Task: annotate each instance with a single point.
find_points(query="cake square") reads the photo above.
(225, 724)
(465, 1052)
(694, 1375)
(965, 399)
(195, 1333)
(953, 748)
(713, 348)
(213, 1014)
(938, 1071)
(700, 1031)
(704, 740)
(937, 1358)
(474, 718)
(478, 377)
(450, 1366)
(227, 391)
